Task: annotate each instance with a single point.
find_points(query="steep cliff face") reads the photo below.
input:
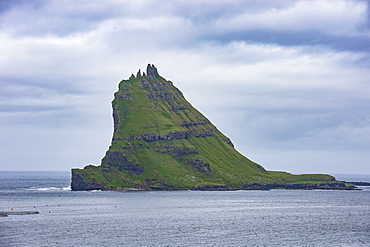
(160, 141)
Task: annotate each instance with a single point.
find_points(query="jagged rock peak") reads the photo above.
(151, 71)
(138, 74)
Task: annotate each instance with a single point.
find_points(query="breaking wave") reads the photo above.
(50, 188)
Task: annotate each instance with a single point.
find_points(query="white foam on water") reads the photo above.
(50, 188)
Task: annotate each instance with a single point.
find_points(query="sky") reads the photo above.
(287, 81)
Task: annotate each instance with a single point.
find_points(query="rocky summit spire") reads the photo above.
(138, 74)
(151, 71)
(161, 142)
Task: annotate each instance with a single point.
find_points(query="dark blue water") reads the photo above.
(177, 218)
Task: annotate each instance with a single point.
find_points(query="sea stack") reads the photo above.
(161, 142)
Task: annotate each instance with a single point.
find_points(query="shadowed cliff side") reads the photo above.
(161, 142)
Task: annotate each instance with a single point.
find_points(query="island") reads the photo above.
(161, 142)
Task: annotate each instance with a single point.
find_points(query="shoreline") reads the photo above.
(254, 186)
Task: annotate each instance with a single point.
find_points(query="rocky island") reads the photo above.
(161, 142)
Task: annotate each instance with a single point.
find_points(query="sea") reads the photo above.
(178, 218)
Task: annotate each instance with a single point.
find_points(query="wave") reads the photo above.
(50, 188)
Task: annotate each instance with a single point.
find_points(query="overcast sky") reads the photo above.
(288, 81)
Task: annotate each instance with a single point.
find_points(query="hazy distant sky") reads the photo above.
(288, 81)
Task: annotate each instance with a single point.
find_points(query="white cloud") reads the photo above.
(334, 17)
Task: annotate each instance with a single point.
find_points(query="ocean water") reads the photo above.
(177, 218)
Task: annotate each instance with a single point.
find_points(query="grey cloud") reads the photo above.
(355, 43)
(60, 18)
(304, 121)
(187, 22)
